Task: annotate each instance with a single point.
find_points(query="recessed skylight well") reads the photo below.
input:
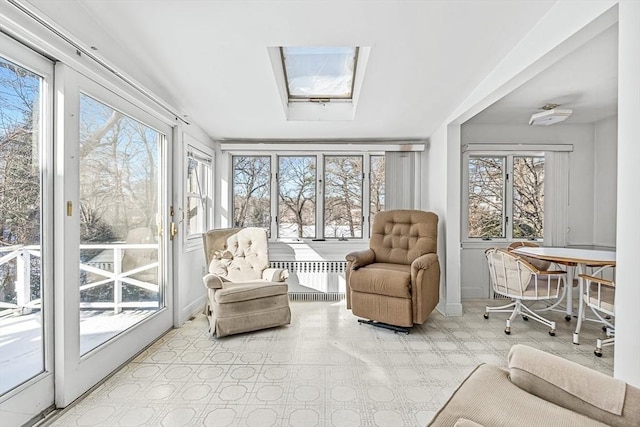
(319, 83)
(319, 73)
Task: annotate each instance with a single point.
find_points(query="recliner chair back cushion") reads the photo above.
(238, 254)
(400, 236)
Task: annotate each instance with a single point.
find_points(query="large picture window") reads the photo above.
(297, 196)
(252, 191)
(314, 196)
(505, 197)
(343, 182)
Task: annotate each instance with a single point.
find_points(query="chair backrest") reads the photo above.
(510, 276)
(540, 264)
(401, 236)
(238, 254)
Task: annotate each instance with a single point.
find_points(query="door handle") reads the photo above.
(173, 230)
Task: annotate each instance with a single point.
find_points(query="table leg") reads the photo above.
(569, 284)
(576, 334)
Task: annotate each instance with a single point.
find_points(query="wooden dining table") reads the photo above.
(576, 261)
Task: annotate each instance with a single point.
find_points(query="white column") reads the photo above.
(627, 354)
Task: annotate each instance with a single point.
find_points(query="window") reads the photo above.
(297, 197)
(252, 191)
(319, 73)
(343, 183)
(376, 185)
(316, 196)
(198, 190)
(505, 197)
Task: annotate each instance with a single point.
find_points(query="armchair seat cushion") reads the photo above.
(393, 280)
(236, 292)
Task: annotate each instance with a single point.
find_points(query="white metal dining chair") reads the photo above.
(599, 295)
(515, 278)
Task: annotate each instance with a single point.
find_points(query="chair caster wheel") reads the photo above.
(567, 318)
(597, 353)
(486, 315)
(507, 331)
(525, 318)
(552, 332)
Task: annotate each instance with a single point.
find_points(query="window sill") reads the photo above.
(308, 250)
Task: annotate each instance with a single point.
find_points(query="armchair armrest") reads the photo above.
(213, 281)
(361, 258)
(424, 262)
(275, 274)
(574, 387)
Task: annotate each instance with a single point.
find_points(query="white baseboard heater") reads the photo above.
(314, 280)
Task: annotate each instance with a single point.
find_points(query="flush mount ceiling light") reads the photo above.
(551, 114)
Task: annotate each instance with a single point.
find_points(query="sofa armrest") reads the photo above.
(574, 387)
(275, 274)
(359, 259)
(213, 281)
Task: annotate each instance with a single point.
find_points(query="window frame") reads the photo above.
(204, 160)
(317, 98)
(320, 191)
(508, 189)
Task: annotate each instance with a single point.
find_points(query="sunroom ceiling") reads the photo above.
(209, 59)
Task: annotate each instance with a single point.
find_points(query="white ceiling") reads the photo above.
(585, 81)
(209, 59)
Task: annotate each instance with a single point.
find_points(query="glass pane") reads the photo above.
(486, 197)
(376, 182)
(198, 178)
(252, 191)
(21, 328)
(119, 210)
(297, 197)
(319, 72)
(528, 197)
(343, 196)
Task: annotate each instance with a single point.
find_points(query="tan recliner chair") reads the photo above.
(243, 294)
(396, 283)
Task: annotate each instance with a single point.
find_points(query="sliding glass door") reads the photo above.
(26, 381)
(113, 287)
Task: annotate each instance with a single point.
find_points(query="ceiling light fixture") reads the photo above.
(551, 114)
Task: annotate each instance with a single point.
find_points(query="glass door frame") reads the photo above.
(36, 395)
(75, 374)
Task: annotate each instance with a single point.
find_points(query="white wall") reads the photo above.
(604, 184)
(189, 262)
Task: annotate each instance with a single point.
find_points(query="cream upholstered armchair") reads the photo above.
(396, 282)
(243, 294)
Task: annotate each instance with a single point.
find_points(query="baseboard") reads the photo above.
(452, 309)
(192, 309)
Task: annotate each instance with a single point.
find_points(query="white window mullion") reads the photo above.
(320, 192)
(508, 198)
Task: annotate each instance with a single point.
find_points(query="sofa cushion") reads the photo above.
(574, 386)
(488, 398)
(392, 280)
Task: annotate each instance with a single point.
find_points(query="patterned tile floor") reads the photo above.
(323, 370)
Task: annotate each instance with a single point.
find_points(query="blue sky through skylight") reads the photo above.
(319, 72)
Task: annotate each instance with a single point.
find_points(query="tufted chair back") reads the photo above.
(400, 236)
(237, 254)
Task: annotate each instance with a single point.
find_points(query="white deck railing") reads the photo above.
(117, 277)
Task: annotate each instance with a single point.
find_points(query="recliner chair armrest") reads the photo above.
(275, 274)
(213, 281)
(359, 259)
(424, 262)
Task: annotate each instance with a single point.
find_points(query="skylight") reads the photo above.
(319, 73)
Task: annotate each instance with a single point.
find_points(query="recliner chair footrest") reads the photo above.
(393, 328)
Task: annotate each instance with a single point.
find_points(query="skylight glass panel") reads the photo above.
(319, 72)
